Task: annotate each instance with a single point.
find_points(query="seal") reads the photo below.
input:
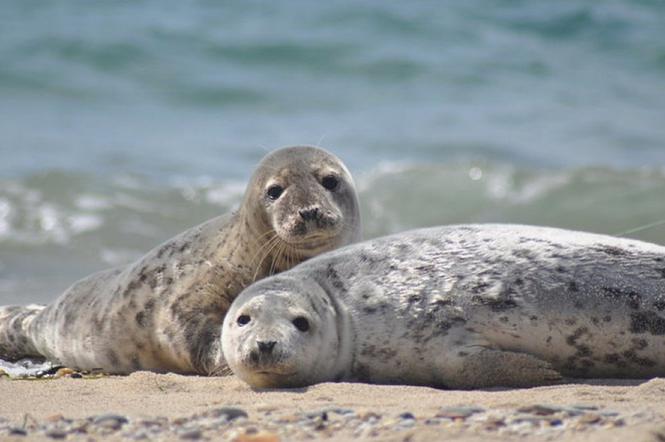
(164, 312)
(469, 306)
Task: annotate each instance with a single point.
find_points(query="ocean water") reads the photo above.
(123, 123)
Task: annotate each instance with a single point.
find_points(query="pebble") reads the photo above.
(458, 412)
(589, 418)
(56, 434)
(191, 435)
(110, 421)
(230, 413)
(17, 432)
(234, 424)
(258, 437)
(63, 372)
(540, 410)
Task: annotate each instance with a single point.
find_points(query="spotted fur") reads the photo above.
(164, 312)
(460, 306)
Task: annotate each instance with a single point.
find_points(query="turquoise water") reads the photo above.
(122, 123)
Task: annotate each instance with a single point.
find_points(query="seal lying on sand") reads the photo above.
(461, 307)
(164, 312)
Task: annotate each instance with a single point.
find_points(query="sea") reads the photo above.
(125, 122)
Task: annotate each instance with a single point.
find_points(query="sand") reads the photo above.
(189, 407)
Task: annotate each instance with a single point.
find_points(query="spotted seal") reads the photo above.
(164, 312)
(467, 306)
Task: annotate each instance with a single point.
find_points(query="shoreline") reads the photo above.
(146, 405)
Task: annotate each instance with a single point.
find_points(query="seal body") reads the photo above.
(461, 306)
(164, 312)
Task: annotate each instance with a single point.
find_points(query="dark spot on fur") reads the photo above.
(461, 354)
(334, 278)
(140, 319)
(533, 318)
(113, 358)
(571, 321)
(632, 357)
(610, 250)
(560, 269)
(607, 318)
(583, 350)
(643, 322)
(499, 304)
(640, 343)
(659, 305)
(503, 319)
(572, 286)
(595, 320)
(631, 297)
(572, 339)
(519, 281)
(662, 272)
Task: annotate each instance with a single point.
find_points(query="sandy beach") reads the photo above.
(173, 407)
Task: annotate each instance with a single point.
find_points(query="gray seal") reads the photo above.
(164, 312)
(469, 306)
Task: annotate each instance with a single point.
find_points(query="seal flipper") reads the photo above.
(15, 342)
(484, 368)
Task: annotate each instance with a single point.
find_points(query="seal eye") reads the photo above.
(330, 182)
(274, 192)
(301, 324)
(243, 320)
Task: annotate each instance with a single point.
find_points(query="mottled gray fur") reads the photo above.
(460, 306)
(164, 312)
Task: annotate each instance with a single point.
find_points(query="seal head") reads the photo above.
(305, 197)
(283, 332)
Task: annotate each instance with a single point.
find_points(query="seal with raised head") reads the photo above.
(164, 312)
(468, 306)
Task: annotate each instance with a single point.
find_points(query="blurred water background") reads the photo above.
(125, 122)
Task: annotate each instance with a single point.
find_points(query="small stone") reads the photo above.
(458, 412)
(493, 423)
(17, 432)
(191, 435)
(110, 421)
(63, 372)
(589, 418)
(369, 416)
(540, 410)
(55, 418)
(263, 436)
(56, 434)
(230, 413)
(586, 407)
(289, 419)
(407, 415)
(76, 375)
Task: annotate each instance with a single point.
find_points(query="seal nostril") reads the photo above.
(309, 213)
(266, 346)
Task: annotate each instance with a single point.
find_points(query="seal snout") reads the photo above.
(309, 213)
(266, 346)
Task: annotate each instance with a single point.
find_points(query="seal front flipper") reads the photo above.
(484, 367)
(15, 341)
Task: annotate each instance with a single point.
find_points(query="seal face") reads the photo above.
(164, 312)
(468, 306)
